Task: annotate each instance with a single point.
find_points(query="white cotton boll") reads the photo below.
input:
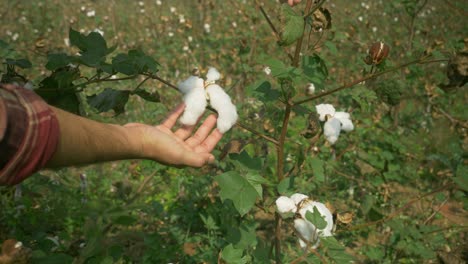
(307, 231)
(310, 88)
(195, 104)
(332, 129)
(346, 123)
(298, 197)
(325, 109)
(341, 115)
(190, 83)
(194, 98)
(324, 212)
(221, 102)
(212, 75)
(285, 205)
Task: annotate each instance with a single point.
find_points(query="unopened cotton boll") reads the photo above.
(285, 205)
(332, 129)
(194, 98)
(221, 102)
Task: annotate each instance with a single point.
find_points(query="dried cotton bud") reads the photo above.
(378, 52)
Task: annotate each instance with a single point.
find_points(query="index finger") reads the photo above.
(171, 119)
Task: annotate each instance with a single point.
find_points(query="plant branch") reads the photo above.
(81, 85)
(297, 52)
(351, 84)
(401, 209)
(255, 132)
(275, 31)
(317, 6)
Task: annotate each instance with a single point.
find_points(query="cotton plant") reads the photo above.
(299, 204)
(198, 93)
(334, 122)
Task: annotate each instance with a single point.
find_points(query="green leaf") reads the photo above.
(316, 218)
(57, 60)
(232, 255)
(266, 91)
(209, 222)
(461, 178)
(367, 204)
(77, 39)
(93, 47)
(280, 70)
(125, 220)
(317, 168)
(22, 63)
(246, 161)
(58, 89)
(336, 251)
(256, 180)
(286, 186)
(123, 64)
(238, 189)
(109, 99)
(315, 69)
(244, 236)
(292, 27)
(134, 62)
(58, 258)
(152, 97)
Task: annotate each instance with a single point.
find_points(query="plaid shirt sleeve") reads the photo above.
(29, 134)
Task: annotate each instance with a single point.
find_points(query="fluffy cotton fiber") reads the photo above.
(196, 91)
(194, 98)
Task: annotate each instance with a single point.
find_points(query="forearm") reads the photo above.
(84, 141)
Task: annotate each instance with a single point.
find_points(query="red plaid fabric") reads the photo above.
(29, 134)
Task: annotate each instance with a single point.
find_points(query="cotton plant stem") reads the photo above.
(351, 84)
(275, 31)
(317, 6)
(298, 49)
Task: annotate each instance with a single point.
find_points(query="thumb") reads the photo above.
(194, 159)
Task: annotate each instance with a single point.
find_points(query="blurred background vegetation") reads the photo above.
(400, 173)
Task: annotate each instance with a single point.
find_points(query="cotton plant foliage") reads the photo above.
(197, 93)
(300, 204)
(334, 122)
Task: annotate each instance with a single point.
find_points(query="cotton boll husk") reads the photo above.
(332, 129)
(221, 102)
(308, 231)
(325, 109)
(190, 83)
(195, 104)
(212, 75)
(298, 197)
(285, 205)
(324, 212)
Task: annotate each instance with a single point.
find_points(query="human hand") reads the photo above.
(180, 147)
(293, 2)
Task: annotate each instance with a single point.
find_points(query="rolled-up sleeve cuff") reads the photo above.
(30, 137)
